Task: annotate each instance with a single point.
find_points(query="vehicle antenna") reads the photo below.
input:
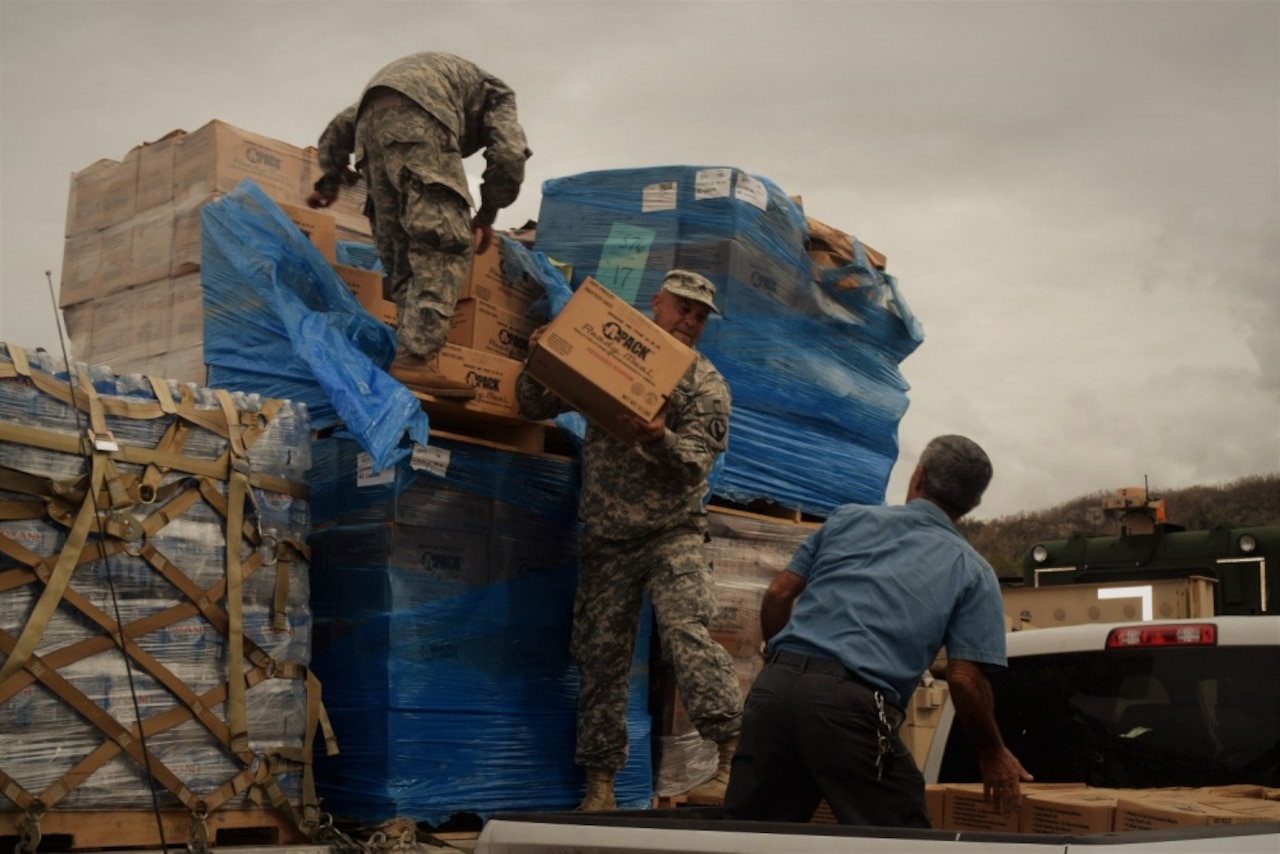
(106, 562)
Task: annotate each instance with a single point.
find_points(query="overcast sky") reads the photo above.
(1080, 200)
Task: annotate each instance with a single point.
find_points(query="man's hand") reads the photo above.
(1002, 776)
(322, 199)
(318, 199)
(536, 335)
(483, 233)
(643, 431)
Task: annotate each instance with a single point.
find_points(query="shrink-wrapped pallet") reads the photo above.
(810, 350)
(155, 626)
(443, 593)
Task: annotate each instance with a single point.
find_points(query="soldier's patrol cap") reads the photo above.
(693, 286)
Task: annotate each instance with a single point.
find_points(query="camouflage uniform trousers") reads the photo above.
(606, 614)
(422, 227)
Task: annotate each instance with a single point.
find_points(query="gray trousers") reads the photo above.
(422, 226)
(614, 577)
(810, 733)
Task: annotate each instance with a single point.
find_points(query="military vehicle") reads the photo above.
(1144, 546)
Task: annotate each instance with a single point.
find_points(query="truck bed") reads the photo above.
(707, 831)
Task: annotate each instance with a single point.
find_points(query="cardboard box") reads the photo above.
(1259, 809)
(603, 358)
(481, 325)
(186, 236)
(155, 171)
(1160, 813)
(130, 324)
(757, 277)
(1073, 811)
(485, 281)
(185, 365)
(935, 799)
(145, 249)
(493, 377)
(318, 226)
(965, 809)
(78, 320)
(367, 286)
(186, 313)
(102, 195)
(218, 156)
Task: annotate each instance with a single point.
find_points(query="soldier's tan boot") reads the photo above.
(599, 791)
(711, 793)
(414, 373)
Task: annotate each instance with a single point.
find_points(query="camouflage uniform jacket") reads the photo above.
(477, 108)
(631, 490)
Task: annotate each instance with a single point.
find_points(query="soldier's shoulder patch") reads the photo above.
(718, 428)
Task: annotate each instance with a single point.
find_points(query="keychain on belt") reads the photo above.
(883, 745)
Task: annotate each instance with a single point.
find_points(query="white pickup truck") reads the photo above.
(1191, 703)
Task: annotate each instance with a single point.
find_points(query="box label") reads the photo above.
(366, 476)
(623, 259)
(659, 197)
(752, 192)
(430, 459)
(712, 183)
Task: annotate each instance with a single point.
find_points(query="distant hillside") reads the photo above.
(1004, 541)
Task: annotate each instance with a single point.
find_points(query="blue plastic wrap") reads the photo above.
(362, 255)
(443, 597)
(279, 321)
(812, 362)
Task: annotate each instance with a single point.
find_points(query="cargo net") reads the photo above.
(155, 631)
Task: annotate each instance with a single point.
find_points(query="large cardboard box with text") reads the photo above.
(604, 358)
(137, 220)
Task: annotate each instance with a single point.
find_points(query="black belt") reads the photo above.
(831, 667)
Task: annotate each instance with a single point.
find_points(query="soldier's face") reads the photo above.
(683, 318)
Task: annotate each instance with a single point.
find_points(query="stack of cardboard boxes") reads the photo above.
(1071, 809)
(130, 294)
(131, 291)
(489, 336)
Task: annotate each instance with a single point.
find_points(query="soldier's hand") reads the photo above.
(483, 233)
(536, 335)
(318, 199)
(645, 431)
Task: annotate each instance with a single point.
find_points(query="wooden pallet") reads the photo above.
(765, 511)
(91, 830)
(464, 423)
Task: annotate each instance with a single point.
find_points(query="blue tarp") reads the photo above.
(279, 321)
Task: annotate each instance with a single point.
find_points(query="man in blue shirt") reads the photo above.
(860, 613)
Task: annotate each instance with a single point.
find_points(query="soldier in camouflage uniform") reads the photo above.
(409, 132)
(644, 528)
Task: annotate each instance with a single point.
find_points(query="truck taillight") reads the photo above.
(1133, 637)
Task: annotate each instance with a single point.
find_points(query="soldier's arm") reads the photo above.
(505, 151)
(696, 433)
(536, 401)
(334, 152)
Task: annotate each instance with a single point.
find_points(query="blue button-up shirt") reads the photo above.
(885, 587)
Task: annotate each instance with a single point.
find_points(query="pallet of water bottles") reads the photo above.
(155, 630)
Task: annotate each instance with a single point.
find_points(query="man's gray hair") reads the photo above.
(957, 472)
